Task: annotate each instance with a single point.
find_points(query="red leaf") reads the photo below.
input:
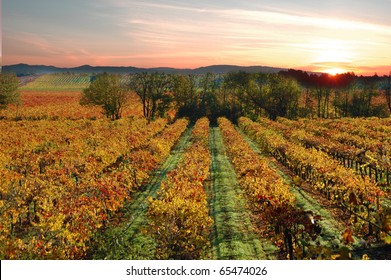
(347, 236)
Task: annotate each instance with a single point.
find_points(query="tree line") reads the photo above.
(289, 94)
(195, 96)
(343, 95)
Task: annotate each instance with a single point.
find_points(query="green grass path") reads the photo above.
(233, 235)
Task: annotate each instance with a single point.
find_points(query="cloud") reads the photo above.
(179, 33)
(278, 18)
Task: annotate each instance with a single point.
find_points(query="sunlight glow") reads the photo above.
(333, 56)
(333, 51)
(335, 71)
(191, 34)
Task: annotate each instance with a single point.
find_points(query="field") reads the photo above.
(66, 81)
(75, 185)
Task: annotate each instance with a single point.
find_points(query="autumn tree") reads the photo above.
(107, 92)
(9, 93)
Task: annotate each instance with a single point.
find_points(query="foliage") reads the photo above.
(342, 95)
(386, 87)
(107, 92)
(185, 96)
(256, 93)
(9, 93)
(179, 219)
(57, 82)
(62, 105)
(280, 95)
(62, 181)
(356, 143)
(270, 196)
(154, 91)
(357, 195)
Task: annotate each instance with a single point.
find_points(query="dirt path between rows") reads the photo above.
(233, 234)
(129, 241)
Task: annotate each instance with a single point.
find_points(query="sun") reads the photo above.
(332, 56)
(335, 71)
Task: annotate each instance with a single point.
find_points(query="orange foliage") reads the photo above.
(60, 180)
(179, 218)
(62, 105)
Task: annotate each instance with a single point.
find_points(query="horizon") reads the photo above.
(204, 66)
(332, 37)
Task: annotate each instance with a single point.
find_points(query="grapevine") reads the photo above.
(179, 218)
(337, 183)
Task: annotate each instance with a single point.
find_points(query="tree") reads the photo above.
(207, 98)
(236, 91)
(323, 88)
(107, 92)
(255, 94)
(9, 93)
(186, 96)
(362, 100)
(281, 98)
(344, 86)
(386, 86)
(154, 91)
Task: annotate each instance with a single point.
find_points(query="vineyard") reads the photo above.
(60, 105)
(74, 185)
(59, 81)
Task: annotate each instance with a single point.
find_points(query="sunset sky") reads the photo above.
(332, 35)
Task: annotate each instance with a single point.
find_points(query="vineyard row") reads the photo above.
(56, 195)
(367, 156)
(339, 184)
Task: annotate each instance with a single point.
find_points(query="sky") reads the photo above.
(331, 36)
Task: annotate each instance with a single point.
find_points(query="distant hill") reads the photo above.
(26, 70)
(222, 69)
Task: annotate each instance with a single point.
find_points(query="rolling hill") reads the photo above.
(25, 69)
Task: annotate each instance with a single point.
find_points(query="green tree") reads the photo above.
(386, 86)
(238, 89)
(154, 91)
(106, 91)
(9, 93)
(282, 96)
(186, 96)
(260, 93)
(362, 99)
(208, 88)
